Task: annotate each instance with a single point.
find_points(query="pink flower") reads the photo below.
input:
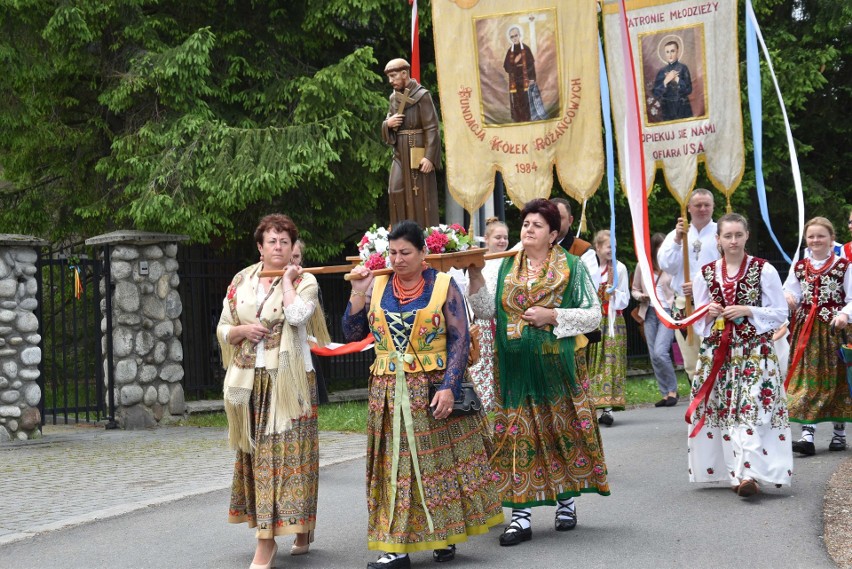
(422, 331)
(459, 228)
(375, 262)
(364, 241)
(436, 242)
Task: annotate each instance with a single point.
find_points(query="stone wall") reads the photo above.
(146, 327)
(20, 354)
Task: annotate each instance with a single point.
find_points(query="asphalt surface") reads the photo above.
(654, 518)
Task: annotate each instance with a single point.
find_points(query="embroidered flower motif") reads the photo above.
(710, 471)
(747, 464)
(709, 435)
(421, 331)
(499, 428)
(598, 469)
(513, 430)
(726, 438)
(749, 432)
(782, 438)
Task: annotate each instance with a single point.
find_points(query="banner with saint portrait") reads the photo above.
(687, 68)
(520, 94)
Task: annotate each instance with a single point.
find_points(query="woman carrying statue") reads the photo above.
(429, 483)
(270, 393)
(548, 444)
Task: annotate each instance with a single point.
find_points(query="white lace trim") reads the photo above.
(576, 321)
(482, 303)
(299, 312)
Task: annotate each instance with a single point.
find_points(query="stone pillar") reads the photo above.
(147, 354)
(20, 354)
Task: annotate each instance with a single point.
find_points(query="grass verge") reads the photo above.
(351, 416)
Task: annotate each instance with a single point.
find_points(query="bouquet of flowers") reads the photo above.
(447, 239)
(373, 248)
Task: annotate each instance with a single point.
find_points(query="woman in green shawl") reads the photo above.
(548, 444)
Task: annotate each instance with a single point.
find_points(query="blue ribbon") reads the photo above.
(610, 161)
(755, 108)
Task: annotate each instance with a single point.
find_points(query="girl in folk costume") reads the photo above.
(739, 429)
(271, 393)
(819, 290)
(482, 372)
(429, 482)
(608, 358)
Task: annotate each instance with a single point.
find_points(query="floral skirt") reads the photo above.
(608, 366)
(818, 391)
(275, 488)
(550, 451)
(482, 372)
(458, 483)
(746, 433)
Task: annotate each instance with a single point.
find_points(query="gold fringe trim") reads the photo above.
(239, 427)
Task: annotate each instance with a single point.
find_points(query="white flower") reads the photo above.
(381, 245)
(382, 232)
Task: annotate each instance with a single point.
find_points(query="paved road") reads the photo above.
(653, 519)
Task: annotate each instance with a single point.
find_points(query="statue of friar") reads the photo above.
(411, 127)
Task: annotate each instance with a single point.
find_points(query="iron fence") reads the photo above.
(69, 298)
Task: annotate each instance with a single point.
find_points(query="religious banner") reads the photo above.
(687, 70)
(519, 94)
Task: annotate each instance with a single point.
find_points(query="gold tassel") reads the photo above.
(583, 228)
(728, 201)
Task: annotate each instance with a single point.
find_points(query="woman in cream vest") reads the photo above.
(271, 394)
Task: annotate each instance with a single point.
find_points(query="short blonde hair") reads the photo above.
(601, 237)
(822, 222)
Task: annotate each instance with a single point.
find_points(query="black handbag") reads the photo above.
(594, 337)
(467, 403)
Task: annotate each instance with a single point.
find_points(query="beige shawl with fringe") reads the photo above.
(283, 354)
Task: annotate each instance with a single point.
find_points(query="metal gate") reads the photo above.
(69, 314)
(204, 277)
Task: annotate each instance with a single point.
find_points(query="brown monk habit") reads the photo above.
(413, 195)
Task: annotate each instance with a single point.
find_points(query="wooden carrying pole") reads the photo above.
(690, 337)
(332, 269)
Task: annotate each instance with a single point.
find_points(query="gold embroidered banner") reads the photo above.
(520, 94)
(687, 72)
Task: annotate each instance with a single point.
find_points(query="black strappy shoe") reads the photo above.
(566, 518)
(514, 533)
(442, 555)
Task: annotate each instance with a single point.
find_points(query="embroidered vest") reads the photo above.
(825, 289)
(428, 333)
(747, 291)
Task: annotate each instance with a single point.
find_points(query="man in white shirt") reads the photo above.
(701, 241)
